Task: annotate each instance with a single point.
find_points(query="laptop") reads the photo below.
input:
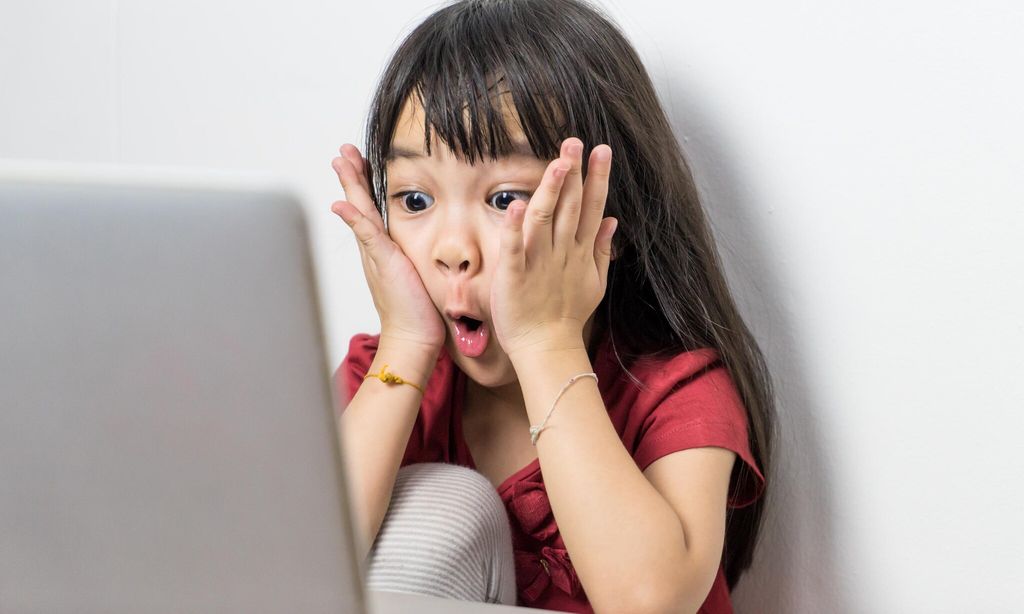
(167, 438)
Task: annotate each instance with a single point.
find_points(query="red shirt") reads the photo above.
(704, 410)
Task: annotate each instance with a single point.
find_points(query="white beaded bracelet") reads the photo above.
(535, 430)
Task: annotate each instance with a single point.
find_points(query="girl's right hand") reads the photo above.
(407, 315)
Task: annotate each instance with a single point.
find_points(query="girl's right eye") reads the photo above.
(405, 203)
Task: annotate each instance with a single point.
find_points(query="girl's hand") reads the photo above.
(406, 312)
(553, 265)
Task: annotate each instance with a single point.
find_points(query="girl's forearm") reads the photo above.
(374, 431)
(625, 541)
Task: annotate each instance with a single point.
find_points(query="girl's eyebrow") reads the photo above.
(520, 149)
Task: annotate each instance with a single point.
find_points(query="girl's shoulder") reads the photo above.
(656, 374)
(684, 401)
(677, 370)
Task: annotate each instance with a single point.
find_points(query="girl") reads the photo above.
(563, 408)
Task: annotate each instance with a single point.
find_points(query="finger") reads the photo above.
(513, 254)
(539, 216)
(595, 194)
(371, 238)
(356, 192)
(603, 250)
(567, 213)
(351, 152)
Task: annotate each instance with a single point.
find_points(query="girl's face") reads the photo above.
(447, 216)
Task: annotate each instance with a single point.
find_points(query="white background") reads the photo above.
(861, 165)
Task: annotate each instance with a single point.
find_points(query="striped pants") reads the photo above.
(446, 533)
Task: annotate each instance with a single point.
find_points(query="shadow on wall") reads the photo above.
(794, 569)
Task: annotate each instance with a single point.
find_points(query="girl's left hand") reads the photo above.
(552, 269)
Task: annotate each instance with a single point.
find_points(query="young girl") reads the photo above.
(563, 408)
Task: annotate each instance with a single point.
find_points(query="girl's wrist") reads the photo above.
(411, 361)
(551, 340)
(415, 346)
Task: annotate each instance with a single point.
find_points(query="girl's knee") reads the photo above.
(445, 522)
(456, 497)
(447, 482)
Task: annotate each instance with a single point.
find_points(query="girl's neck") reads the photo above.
(503, 399)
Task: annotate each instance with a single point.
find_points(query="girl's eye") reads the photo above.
(401, 196)
(416, 204)
(507, 196)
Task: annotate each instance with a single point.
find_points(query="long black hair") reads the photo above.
(570, 71)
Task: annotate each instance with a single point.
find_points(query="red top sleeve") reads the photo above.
(350, 373)
(692, 402)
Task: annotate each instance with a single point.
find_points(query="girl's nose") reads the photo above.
(458, 251)
(461, 270)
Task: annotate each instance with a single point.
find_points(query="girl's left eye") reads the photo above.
(510, 195)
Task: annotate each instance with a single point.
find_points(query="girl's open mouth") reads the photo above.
(470, 336)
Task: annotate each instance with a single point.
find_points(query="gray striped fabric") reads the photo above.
(446, 533)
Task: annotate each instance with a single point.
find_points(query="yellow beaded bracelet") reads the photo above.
(390, 378)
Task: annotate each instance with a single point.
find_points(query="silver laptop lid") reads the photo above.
(167, 440)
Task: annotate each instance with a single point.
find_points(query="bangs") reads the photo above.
(472, 118)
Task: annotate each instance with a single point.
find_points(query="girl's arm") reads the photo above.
(374, 431)
(640, 542)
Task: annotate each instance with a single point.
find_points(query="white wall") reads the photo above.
(862, 167)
